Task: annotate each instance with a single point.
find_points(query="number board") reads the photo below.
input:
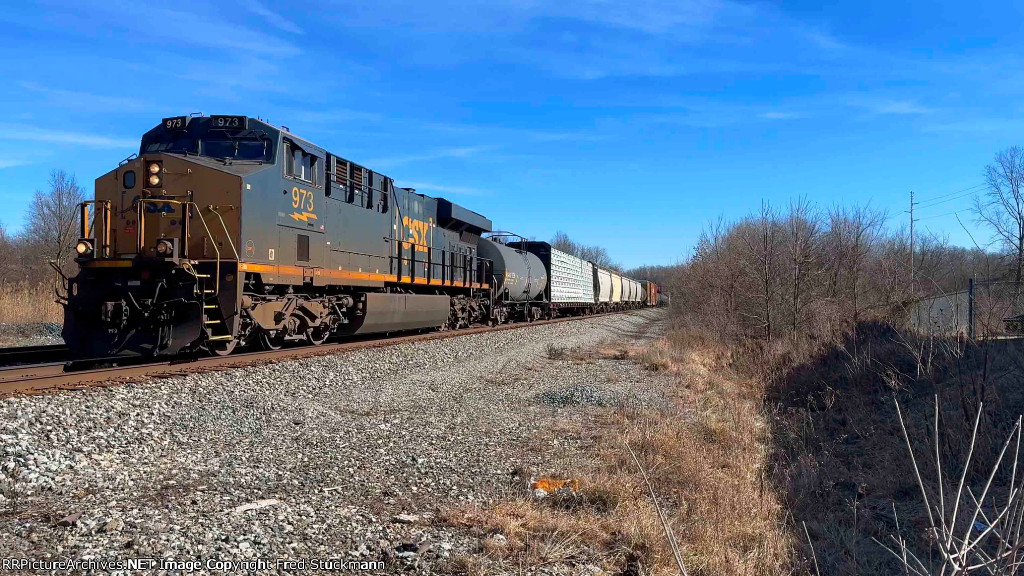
(228, 122)
(175, 123)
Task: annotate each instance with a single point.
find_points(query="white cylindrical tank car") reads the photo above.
(616, 288)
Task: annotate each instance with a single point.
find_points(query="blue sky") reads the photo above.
(625, 124)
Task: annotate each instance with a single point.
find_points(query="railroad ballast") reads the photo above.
(227, 230)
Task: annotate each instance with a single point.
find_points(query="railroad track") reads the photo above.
(51, 376)
(33, 354)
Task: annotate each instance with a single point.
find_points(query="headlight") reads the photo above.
(155, 170)
(84, 247)
(164, 247)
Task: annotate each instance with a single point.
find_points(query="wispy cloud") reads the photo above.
(83, 100)
(454, 152)
(823, 40)
(603, 39)
(509, 133)
(658, 16)
(900, 107)
(883, 105)
(777, 115)
(34, 134)
(329, 116)
(205, 27)
(978, 126)
(464, 190)
(11, 163)
(272, 18)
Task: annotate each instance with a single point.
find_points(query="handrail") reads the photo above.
(84, 228)
(216, 289)
(227, 234)
(474, 268)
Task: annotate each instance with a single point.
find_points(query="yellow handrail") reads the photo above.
(227, 234)
(86, 232)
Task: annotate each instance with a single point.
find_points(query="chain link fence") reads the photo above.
(986, 309)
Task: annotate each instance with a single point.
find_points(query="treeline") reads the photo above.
(596, 254)
(807, 271)
(49, 234)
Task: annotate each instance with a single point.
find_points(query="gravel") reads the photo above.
(348, 456)
(32, 334)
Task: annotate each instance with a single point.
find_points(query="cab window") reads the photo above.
(301, 165)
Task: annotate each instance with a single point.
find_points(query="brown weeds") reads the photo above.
(705, 458)
(26, 304)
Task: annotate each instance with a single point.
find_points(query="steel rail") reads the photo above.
(32, 354)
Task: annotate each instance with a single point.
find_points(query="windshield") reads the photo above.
(181, 145)
(250, 147)
(236, 149)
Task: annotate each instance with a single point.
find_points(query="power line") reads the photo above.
(969, 188)
(946, 214)
(930, 204)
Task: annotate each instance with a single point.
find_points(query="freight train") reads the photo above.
(226, 230)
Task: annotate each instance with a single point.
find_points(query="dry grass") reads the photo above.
(840, 461)
(706, 460)
(26, 304)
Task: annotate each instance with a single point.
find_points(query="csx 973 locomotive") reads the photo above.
(226, 230)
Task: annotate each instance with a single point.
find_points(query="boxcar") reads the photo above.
(650, 293)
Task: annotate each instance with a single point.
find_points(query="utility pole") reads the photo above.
(911, 243)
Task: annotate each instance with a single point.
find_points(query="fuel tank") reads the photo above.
(519, 275)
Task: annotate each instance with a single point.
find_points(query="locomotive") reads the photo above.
(226, 230)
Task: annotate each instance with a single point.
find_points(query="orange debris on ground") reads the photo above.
(554, 484)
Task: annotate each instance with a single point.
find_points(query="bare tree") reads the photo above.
(713, 279)
(853, 235)
(8, 257)
(761, 240)
(53, 216)
(596, 254)
(1002, 207)
(803, 229)
(562, 242)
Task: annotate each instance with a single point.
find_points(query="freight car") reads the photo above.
(227, 230)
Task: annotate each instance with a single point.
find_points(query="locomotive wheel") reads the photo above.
(270, 341)
(222, 348)
(317, 336)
